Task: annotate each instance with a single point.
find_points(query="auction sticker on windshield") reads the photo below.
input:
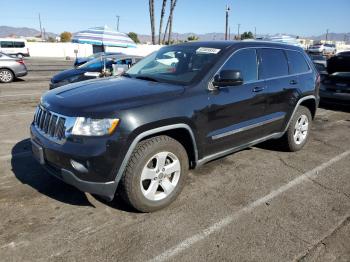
(207, 50)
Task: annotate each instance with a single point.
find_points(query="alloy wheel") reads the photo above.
(160, 176)
(5, 76)
(301, 129)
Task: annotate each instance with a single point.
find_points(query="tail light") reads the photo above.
(20, 61)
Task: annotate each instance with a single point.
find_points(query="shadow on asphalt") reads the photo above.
(30, 173)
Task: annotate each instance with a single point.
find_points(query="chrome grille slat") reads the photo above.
(50, 124)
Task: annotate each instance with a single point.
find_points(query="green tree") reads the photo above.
(247, 35)
(134, 37)
(66, 36)
(192, 38)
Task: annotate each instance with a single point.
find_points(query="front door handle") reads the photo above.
(293, 82)
(258, 89)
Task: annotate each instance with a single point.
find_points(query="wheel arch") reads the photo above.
(181, 132)
(307, 101)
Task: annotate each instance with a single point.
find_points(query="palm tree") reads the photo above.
(151, 16)
(161, 20)
(170, 21)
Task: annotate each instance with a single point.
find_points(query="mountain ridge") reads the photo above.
(31, 32)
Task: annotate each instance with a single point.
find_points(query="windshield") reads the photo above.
(97, 63)
(175, 64)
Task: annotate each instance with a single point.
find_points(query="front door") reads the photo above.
(235, 112)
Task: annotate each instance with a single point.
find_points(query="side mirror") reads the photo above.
(228, 78)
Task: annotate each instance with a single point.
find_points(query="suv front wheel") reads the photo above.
(155, 174)
(298, 130)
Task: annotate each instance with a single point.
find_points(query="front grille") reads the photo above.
(49, 123)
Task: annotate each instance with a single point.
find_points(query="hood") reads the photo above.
(102, 97)
(81, 60)
(67, 74)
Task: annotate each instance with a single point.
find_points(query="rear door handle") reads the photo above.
(293, 82)
(258, 89)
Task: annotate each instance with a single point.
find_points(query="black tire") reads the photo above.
(131, 182)
(288, 139)
(9, 74)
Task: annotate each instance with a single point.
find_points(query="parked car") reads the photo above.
(11, 68)
(14, 46)
(335, 88)
(319, 59)
(82, 60)
(323, 49)
(96, 68)
(141, 132)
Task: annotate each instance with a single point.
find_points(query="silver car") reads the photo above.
(11, 68)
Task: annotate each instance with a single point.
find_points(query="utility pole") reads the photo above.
(238, 35)
(117, 16)
(226, 26)
(44, 33)
(229, 33)
(254, 32)
(41, 30)
(327, 35)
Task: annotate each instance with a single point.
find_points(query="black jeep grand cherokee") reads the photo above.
(176, 109)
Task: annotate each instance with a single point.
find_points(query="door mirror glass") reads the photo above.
(228, 78)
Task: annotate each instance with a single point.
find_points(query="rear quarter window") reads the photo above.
(273, 63)
(297, 63)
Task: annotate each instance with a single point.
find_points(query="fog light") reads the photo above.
(78, 166)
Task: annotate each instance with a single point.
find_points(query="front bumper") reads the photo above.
(89, 164)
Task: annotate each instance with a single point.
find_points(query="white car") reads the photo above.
(323, 49)
(14, 46)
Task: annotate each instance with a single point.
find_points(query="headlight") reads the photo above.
(94, 127)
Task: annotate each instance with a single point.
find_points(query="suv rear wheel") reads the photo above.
(155, 174)
(299, 129)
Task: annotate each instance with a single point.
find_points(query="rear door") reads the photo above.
(280, 86)
(235, 112)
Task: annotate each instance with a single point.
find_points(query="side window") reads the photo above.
(244, 61)
(18, 44)
(6, 44)
(274, 63)
(297, 63)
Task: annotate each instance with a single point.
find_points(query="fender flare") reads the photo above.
(309, 97)
(142, 135)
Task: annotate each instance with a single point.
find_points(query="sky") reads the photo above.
(297, 17)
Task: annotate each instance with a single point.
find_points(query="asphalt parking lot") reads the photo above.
(260, 204)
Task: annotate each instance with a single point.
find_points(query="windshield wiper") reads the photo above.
(149, 78)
